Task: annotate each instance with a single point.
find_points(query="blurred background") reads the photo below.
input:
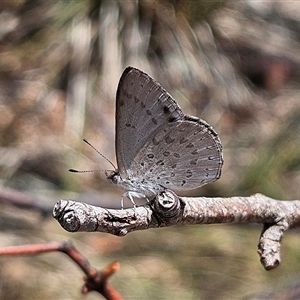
(235, 64)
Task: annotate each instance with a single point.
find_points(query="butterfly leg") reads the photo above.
(122, 202)
(130, 195)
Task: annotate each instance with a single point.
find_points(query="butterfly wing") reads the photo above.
(142, 106)
(182, 155)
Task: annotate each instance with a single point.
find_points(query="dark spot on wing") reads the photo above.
(189, 174)
(183, 140)
(129, 125)
(169, 140)
(150, 155)
(155, 141)
(160, 162)
(166, 110)
(193, 162)
(172, 119)
(190, 145)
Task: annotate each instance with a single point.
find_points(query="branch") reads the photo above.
(168, 209)
(94, 280)
(24, 201)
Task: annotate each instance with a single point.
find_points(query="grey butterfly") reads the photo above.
(157, 146)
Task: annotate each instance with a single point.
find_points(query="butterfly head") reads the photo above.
(113, 176)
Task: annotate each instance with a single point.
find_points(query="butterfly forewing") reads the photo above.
(142, 106)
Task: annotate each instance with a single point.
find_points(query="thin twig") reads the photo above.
(24, 201)
(94, 280)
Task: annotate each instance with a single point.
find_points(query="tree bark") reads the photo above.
(168, 209)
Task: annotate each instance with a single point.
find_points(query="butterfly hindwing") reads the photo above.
(181, 156)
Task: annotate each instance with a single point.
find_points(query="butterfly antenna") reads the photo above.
(86, 141)
(83, 171)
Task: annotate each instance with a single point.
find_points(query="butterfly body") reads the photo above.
(136, 187)
(157, 146)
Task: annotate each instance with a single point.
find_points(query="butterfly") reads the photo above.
(157, 146)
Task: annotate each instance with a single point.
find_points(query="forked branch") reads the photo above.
(94, 280)
(168, 209)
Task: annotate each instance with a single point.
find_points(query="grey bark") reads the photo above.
(168, 209)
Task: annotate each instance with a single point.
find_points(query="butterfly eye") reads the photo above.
(112, 175)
